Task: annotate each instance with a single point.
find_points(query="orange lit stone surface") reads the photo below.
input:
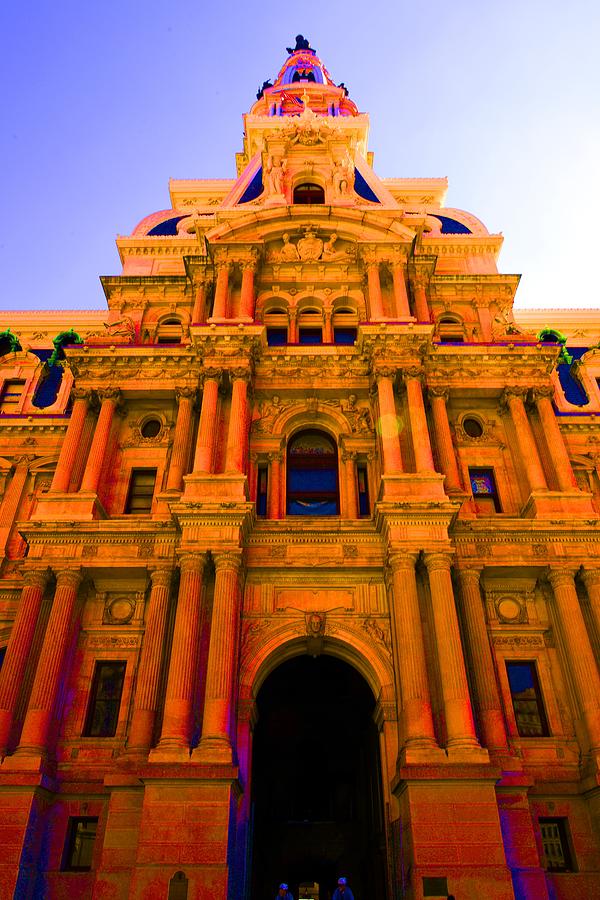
(153, 513)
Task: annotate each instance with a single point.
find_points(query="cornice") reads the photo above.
(463, 245)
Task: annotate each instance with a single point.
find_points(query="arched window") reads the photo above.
(276, 321)
(312, 475)
(451, 330)
(310, 327)
(309, 193)
(169, 332)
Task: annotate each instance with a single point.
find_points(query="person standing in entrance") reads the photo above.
(342, 891)
(283, 893)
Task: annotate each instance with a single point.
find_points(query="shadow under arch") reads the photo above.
(317, 795)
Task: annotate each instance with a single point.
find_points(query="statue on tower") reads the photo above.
(301, 44)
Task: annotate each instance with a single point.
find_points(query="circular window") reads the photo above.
(151, 428)
(472, 427)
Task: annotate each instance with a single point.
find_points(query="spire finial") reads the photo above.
(301, 44)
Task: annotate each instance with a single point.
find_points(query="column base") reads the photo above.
(213, 751)
(467, 753)
(559, 504)
(83, 506)
(169, 754)
(421, 754)
(24, 761)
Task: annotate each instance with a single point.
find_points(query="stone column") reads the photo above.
(293, 327)
(418, 420)
(559, 455)
(237, 435)
(591, 579)
(221, 290)
(19, 648)
(216, 741)
(582, 664)
(71, 445)
(327, 327)
(207, 429)
(109, 398)
(460, 728)
(199, 310)
(402, 306)
(12, 499)
(50, 667)
(438, 398)
(409, 653)
(148, 672)
(181, 442)
(388, 422)
(420, 282)
(349, 459)
(484, 674)
(274, 486)
(374, 287)
(247, 293)
(179, 695)
(513, 398)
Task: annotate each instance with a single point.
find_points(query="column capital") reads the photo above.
(109, 393)
(81, 393)
(369, 260)
(381, 372)
(186, 393)
(468, 571)
(192, 562)
(413, 373)
(275, 456)
(543, 392)
(240, 373)
(248, 264)
(227, 559)
(211, 374)
(512, 392)
(438, 560)
(402, 560)
(68, 577)
(223, 264)
(590, 576)
(438, 393)
(36, 577)
(161, 576)
(559, 575)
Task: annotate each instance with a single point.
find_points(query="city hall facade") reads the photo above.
(299, 548)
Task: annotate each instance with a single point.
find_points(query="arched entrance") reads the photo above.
(316, 782)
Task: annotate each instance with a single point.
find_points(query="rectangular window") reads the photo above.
(261, 491)
(485, 493)
(2, 655)
(12, 394)
(344, 336)
(105, 699)
(276, 337)
(79, 847)
(526, 697)
(363, 490)
(556, 845)
(141, 492)
(310, 336)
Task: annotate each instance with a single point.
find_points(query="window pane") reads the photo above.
(141, 491)
(555, 844)
(526, 698)
(12, 393)
(310, 336)
(312, 507)
(276, 337)
(105, 699)
(311, 480)
(344, 335)
(81, 835)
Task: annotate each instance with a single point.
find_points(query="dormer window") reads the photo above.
(309, 193)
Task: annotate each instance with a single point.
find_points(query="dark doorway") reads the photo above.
(316, 782)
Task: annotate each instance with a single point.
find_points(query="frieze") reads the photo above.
(112, 641)
(519, 640)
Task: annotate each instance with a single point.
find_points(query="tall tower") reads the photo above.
(298, 542)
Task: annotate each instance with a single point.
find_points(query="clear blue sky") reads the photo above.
(104, 101)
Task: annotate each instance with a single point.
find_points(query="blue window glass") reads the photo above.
(166, 228)
(261, 491)
(312, 475)
(276, 337)
(344, 336)
(310, 336)
(254, 189)
(2, 655)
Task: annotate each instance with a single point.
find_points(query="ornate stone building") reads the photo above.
(300, 570)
